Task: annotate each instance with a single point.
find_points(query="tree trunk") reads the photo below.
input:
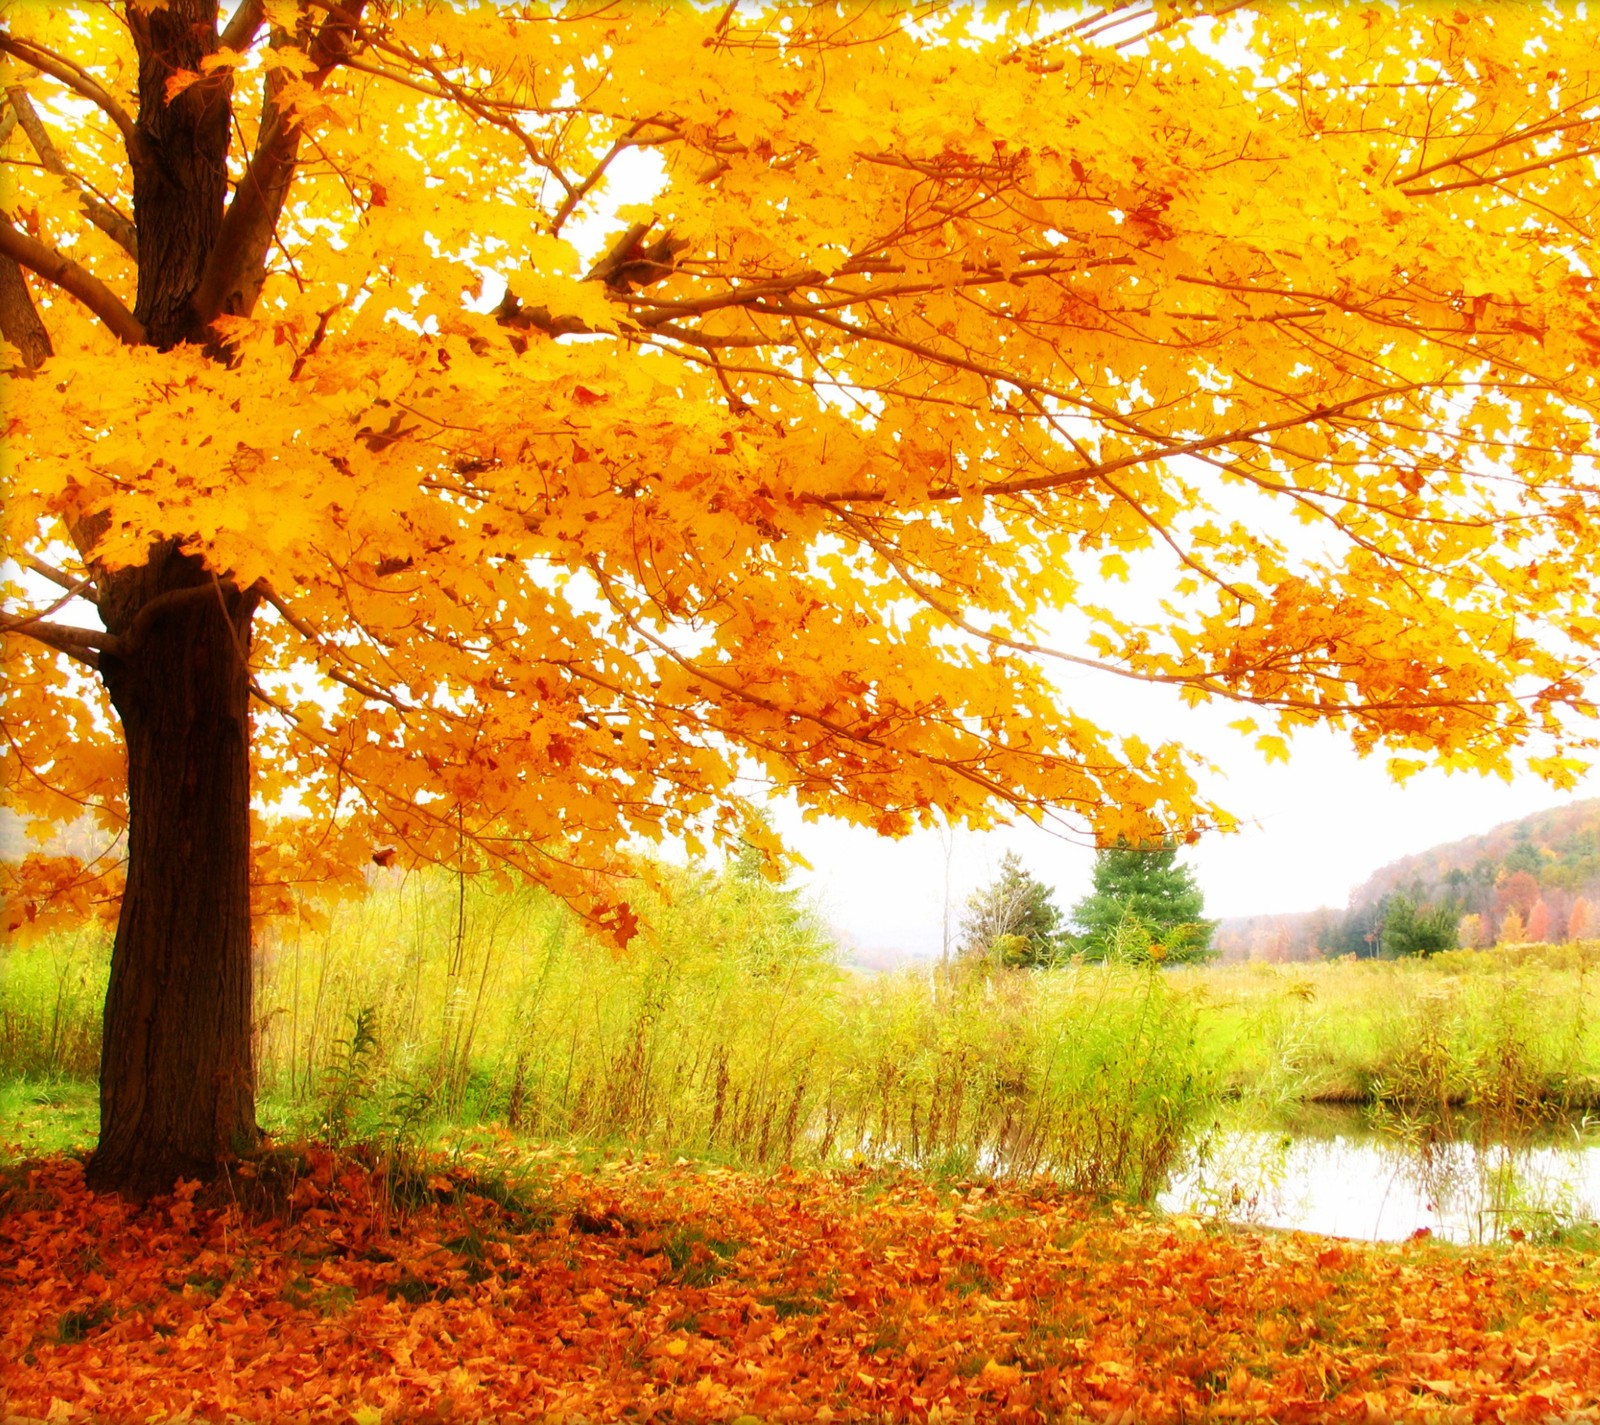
(177, 1076)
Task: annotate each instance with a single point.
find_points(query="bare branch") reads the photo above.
(59, 577)
(77, 79)
(112, 223)
(578, 194)
(72, 279)
(43, 615)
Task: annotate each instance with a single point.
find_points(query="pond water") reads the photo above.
(1350, 1174)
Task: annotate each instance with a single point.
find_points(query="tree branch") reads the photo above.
(20, 323)
(237, 268)
(60, 578)
(245, 25)
(126, 644)
(78, 643)
(299, 625)
(72, 592)
(77, 79)
(72, 279)
(112, 223)
(577, 194)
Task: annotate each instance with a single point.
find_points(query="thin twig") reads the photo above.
(77, 79)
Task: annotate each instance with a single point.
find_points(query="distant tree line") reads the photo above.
(1533, 881)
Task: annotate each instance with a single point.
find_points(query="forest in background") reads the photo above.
(1535, 880)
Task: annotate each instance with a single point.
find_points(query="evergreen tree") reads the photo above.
(1358, 932)
(1412, 929)
(1014, 918)
(1143, 902)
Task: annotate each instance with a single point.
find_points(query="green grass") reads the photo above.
(726, 1033)
(1502, 1032)
(729, 1034)
(43, 1117)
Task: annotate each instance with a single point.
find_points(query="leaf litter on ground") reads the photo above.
(526, 1286)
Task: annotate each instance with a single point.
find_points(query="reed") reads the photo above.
(728, 1030)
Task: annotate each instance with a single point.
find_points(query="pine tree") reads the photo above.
(1413, 929)
(1014, 918)
(1143, 903)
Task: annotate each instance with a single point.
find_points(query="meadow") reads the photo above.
(729, 1033)
(718, 1176)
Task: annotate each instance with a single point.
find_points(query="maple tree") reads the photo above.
(417, 517)
(1580, 920)
(1539, 923)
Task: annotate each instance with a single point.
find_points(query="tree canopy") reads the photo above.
(1143, 902)
(490, 435)
(1413, 929)
(1014, 918)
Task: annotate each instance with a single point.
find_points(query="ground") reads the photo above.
(508, 1285)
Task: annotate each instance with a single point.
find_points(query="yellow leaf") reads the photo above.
(178, 81)
(221, 58)
(1273, 747)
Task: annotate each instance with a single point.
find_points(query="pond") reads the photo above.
(1356, 1173)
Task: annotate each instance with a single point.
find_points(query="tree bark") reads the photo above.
(177, 1072)
(180, 174)
(177, 1075)
(19, 318)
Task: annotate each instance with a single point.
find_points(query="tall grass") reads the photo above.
(51, 995)
(728, 1030)
(1502, 1033)
(731, 1031)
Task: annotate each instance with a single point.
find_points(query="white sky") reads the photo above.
(1318, 826)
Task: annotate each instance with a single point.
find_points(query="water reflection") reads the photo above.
(1342, 1174)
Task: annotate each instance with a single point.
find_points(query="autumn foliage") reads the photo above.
(924, 339)
(489, 436)
(648, 1292)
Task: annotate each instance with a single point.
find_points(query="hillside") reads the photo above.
(1537, 878)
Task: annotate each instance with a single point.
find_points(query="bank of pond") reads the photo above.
(731, 1033)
